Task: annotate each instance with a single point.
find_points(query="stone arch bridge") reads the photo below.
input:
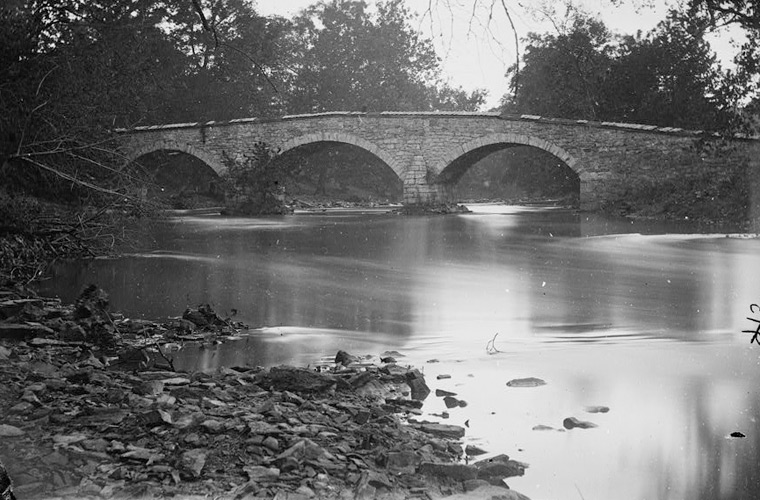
(429, 151)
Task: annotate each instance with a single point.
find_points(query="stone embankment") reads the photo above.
(91, 408)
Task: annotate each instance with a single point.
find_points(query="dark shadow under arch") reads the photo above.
(510, 172)
(336, 170)
(177, 178)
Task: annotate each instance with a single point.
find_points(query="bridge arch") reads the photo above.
(208, 158)
(457, 152)
(360, 142)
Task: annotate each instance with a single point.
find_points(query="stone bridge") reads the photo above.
(430, 151)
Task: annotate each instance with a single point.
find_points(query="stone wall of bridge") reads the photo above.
(430, 151)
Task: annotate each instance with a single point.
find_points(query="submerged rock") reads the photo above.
(597, 409)
(572, 422)
(526, 382)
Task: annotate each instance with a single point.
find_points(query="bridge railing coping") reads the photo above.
(434, 114)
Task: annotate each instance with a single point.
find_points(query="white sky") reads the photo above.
(476, 53)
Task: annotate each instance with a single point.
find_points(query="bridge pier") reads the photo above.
(417, 187)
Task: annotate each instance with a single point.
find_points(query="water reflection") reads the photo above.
(642, 317)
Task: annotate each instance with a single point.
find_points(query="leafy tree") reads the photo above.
(563, 73)
(668, 77)
(232, 55)
(345, 58)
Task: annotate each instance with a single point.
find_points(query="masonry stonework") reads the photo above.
(430, 151)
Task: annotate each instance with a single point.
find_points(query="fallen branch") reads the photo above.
(491, 345)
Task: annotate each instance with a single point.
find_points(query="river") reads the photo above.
(644, 318)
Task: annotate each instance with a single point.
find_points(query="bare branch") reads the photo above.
(73, 179)
(212, 29)
(517, 48)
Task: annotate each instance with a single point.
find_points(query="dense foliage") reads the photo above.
(667, 77)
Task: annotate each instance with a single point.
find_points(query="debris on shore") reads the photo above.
(92, 409)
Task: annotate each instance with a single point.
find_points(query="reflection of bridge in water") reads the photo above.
(430, 152)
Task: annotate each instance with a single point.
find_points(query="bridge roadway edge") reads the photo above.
(418, 146)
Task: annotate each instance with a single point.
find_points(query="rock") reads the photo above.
(378, 479)
(261, 474)
(20, 331)
(10, 308)
(93, 301)
(21, 408)
(402, 459)
(395, 354)
(499, 470)
(271, 443)
(68, 439)
(452, 402)
(288, 464)
(362, 417)
(5, 353)
(737, 434)
(441, 430)
(99, 444)
(10, 431)
(344, 358)
(416, 382)
(489, 492)
(404, 403)
(166, 400)
(474, 484)
(305, 491)
(441, 393)
(373, 388)
(597, 409)
(526, 382)
(541, 427)
(142, 454)
(149, 388)
(458, 472)
(443, 376)
(203, 316)
(212, 426)
(572, 422)
(133, 359)
(388, 359)
(31, 397)
(156, 417)
(473, 451)
(305, 449)
(299, 380)
(193, 461)
(175, 381)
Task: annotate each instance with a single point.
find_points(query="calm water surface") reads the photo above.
(643, 318)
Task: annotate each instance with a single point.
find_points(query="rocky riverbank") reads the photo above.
(92, 408)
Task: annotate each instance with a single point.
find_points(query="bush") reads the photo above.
(253, 185)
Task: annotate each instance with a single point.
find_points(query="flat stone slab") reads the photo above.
(459, 472)
(442, 430)
(10, 431)
(14, 331)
